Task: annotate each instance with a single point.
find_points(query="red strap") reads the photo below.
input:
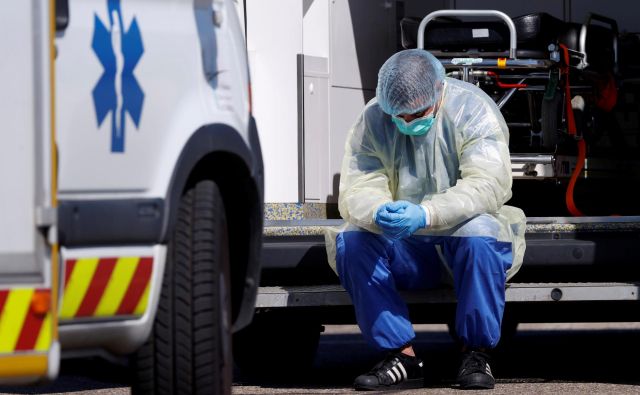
(502, 84)
(571, 205)
(607, 96)
(571, 129)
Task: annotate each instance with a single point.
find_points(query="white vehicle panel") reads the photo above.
(273, 40)
(25, 114)
(177, 101)
(166, 74)
(89, 162)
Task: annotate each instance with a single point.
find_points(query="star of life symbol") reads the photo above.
(117, 93)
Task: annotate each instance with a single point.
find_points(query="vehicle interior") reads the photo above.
(566, 90)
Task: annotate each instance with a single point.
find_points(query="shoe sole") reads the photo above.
(405, 385)
(476, 381)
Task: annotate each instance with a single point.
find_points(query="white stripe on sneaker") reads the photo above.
(393, 376)
(404, 372)
(397, 372)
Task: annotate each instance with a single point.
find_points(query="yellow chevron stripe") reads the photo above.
(23, 365)
(74, 292)
(44, 337)
(117, 287)
(142, 304)
(15, 311)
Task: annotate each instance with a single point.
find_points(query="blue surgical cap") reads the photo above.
(409, 81)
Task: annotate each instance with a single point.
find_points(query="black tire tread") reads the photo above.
(184, 354)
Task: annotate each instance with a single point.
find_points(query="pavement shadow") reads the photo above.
(79, 375)
(529, 356)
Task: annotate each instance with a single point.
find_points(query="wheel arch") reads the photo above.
(219, 153)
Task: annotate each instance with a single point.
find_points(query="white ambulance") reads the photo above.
(132, 188)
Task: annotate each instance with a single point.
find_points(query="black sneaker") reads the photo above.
(396, 371)
(475, 371)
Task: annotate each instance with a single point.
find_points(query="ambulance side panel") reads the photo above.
(161, 99)
(29, 348)
(25, 161)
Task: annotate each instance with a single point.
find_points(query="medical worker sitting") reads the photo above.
(423, 184)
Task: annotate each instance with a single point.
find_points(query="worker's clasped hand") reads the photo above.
(400, 219)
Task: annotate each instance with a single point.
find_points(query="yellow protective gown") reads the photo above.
(460, 171)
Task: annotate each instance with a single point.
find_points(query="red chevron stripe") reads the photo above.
(136, 288)
(68, 269)
(30, 329)
(3, 298)
(96, 288)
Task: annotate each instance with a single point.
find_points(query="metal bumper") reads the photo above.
(335, 295)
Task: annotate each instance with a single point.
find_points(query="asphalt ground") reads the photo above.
(540, 359)
(596, 358)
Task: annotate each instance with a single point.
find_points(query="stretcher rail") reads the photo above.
(513, 38)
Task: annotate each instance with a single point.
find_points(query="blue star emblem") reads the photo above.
(117, 93)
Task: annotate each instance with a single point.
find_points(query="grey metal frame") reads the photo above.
(583, 38)
(335, 295)
(513, 37)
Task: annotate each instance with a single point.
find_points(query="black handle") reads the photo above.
(62, 15)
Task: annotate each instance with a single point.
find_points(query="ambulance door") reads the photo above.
(29, 350)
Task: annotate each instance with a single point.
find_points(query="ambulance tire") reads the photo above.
(189, 349)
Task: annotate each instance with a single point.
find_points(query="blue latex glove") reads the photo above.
(400, 219)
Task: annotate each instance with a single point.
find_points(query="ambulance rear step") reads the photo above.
(335, 295)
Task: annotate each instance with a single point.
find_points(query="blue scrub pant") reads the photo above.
(373, 268)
